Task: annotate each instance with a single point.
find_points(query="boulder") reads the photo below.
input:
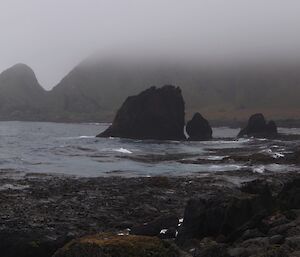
(31, 243)
(198, 128)
(258, 127)
(156, 113)
(289, 197)
(111, 245)
(224, 215)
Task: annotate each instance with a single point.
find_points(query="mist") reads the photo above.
(54, 36)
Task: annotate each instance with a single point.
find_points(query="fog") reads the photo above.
(52, 36)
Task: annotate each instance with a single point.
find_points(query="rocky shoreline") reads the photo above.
(41, 213)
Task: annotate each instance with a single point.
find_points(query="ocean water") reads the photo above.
(73, 149)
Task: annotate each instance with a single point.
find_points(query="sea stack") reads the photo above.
(258, 127)
(198, 128)
(156, 113)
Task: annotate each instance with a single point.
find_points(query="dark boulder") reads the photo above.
(29, 244)
(289, 197)
(258, 127)
(294, 157)
(225, 215)
(156, 113)
(198, 128)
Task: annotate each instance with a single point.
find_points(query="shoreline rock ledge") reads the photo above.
(156, 113)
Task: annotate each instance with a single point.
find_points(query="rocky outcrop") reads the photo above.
(198, 128)
(156, 113)
(217, 214)
(259, 219)
(111, 245)
(225, 219)
(289, 197)
(258, 127)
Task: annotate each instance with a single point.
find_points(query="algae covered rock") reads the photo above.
(111, 245)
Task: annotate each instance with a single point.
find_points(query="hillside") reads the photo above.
(94, 90)
(21, 96)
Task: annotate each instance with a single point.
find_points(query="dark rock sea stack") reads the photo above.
(258, 127)
(198, 128)
(156, 113)
(111, 245)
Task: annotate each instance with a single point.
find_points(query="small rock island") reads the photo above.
(258, 127)
(198, 128)
(156, 113)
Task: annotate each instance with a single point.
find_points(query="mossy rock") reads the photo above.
(111, 245)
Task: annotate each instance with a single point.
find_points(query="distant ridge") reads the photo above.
(94, 90)
(21, 96)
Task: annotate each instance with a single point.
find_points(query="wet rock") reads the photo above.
(210, 248)
(277, 239)
(255, 158)
(34, 244)
(276, 219)
(156, 113)
(251, 233)
(198, 128)
(293, 254)
(281, 229)
(257, 186)
(221, 214)
(237, 252)
(110, 245)
(155, 227)
(272, 251)
(256, 242)
(293, 242)
(289, 197)
(295, 157)
(258, 127)
(203, 217)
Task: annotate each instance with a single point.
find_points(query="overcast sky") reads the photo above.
(52, 36)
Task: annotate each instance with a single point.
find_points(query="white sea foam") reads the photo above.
(163, 231)
(13, 187)
(79, 137)
(215, 158)
(259, 169)
(86, 137)
(122, 150)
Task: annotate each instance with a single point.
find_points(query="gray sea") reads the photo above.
(73, 149)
